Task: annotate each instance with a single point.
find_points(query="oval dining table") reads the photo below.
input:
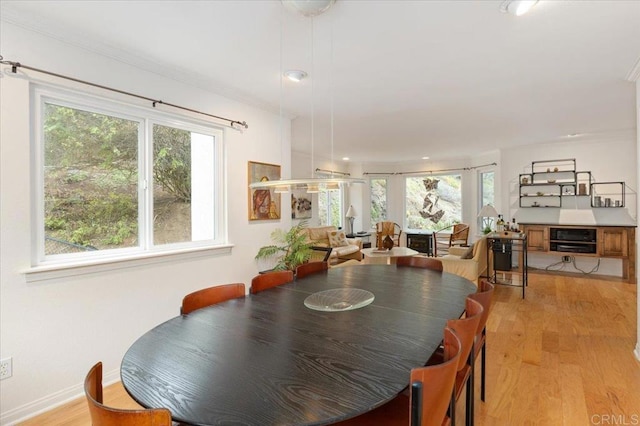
(268, 359)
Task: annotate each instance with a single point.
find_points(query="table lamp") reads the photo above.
(351, 215)
(486, 213)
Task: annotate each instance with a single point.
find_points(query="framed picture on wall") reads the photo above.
(300, 204)
(264, 203)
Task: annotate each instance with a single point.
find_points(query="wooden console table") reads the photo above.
(611, 242)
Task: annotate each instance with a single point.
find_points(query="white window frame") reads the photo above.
(147, 117)
(325, 193)
(481, 196)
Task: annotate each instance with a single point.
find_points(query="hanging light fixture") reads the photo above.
(517, 7)
(313, 184)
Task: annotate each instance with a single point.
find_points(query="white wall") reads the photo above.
(56, 329)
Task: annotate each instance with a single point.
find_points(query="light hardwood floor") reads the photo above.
(562, 356)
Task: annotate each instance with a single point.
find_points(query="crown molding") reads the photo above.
(138, 60)
(634, 73)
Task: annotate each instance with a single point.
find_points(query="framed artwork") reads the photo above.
(264, 204)
(300, 204)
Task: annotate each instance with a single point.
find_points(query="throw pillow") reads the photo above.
(337, 238)
(468, 254)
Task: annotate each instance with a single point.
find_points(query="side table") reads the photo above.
(365, 238)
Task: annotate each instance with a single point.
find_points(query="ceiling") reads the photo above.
(401, 79)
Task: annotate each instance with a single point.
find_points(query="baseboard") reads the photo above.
(52, 401)
(637, 351)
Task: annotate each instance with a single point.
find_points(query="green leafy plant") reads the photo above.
(291, 248)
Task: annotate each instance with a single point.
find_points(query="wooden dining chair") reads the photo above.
(484, 295)
(420, 262)
(388, 228)
(430, 394)
(466, 329)
(270, 279)
(102, 415)
(311, 268)
(211, 296)
(443, 240)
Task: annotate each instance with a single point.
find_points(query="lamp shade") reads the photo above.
(351, 212)
(488, 211)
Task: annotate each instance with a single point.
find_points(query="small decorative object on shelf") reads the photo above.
(525, 180)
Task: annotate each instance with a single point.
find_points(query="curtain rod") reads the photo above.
(154, 102)
(333, 172)
(430, 171)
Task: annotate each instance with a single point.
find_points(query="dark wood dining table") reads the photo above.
(267, 359)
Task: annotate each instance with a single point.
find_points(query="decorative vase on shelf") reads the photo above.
(387, 243)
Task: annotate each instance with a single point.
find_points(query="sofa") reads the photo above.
(468, 262)
(329, 236)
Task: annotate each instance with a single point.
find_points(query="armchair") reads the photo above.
(444, 240)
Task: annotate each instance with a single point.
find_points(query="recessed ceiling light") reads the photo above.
(573, 135)
(517, 7)
(345, 158)
(425, 158)
(295, 75)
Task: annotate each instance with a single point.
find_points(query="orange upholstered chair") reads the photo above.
(420, 262)
(102, 415)
(211, 296)
(484, 295)
(430, 397)
(311, 268)
(270, 279)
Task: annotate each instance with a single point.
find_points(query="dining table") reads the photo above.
(318, 350)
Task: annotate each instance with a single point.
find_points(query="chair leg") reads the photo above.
(470, 411)
(482, 372)
(452, 407)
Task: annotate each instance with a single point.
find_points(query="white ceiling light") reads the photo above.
(517, 7)
(309, 7)
(425, 158)
(295, 75)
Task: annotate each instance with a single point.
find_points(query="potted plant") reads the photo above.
(291, 247)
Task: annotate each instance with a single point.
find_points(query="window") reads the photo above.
(486, 196)
(330, 208)
(119, 180)
(433, 202)
(378, 191)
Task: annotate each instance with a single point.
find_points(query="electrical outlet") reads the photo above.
(6, 369)
(566, 259)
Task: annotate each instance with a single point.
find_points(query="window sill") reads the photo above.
(54, 271)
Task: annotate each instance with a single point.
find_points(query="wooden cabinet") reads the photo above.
(615, 242)
(537, 238)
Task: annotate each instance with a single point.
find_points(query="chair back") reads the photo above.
(466, 329)
(459, 235)
(270, 279)
(311, 268)
(420, 262)
(432, 386)
(484, 297)
(211, 296)
(107, 416)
